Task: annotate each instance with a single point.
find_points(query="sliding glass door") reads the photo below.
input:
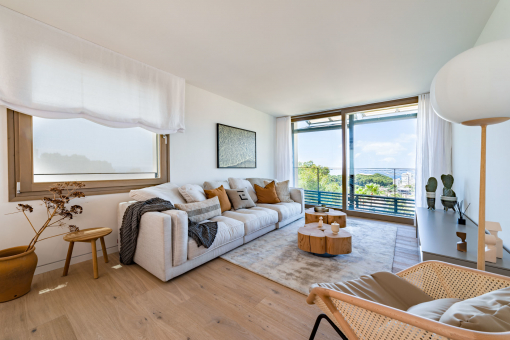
(379, 158)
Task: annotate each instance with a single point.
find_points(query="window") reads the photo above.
(109, 160)
(358, 159)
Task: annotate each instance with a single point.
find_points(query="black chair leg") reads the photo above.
(317, 323)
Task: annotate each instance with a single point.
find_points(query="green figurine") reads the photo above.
(430, 188)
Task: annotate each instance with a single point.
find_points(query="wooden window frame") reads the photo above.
(20, 165)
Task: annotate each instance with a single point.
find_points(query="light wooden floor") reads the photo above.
(217, 300)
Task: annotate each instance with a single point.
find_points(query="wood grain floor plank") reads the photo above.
(59, 328)
(217, 300)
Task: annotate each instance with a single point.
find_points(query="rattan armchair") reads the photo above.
(360, 319)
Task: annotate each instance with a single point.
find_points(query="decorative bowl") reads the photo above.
(320, 209)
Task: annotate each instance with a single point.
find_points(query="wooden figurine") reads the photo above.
(462, 245)
(493, 228)
(319, 225)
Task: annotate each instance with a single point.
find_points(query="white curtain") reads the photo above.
(433, 150)
(283, 149)
(49, 73)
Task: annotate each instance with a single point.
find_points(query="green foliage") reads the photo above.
(382, 180)
(309, 173)
(370, 189)
(431, 185)
(448, 183)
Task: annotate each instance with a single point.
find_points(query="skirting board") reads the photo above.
(75, 259)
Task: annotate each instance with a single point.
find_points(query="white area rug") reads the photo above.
(277, 257)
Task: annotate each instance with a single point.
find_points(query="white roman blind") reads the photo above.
(49, 73)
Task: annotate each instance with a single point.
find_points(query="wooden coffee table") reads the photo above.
(322, 241)
(327, 217)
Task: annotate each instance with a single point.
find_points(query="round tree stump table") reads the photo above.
(322, 241)
(327, 217)
(89, 236)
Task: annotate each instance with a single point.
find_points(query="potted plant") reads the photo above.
(17, 264)
(430, 188)
(449, 198)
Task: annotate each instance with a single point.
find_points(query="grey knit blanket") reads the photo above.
(203, 233)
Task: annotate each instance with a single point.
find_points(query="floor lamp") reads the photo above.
(474, 89)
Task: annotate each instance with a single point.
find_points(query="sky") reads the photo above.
(379, 145)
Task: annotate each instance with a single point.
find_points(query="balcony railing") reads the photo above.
(381, 191)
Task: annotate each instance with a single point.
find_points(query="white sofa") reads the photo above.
(165, 250)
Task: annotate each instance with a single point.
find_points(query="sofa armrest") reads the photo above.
(179, 235)
(162, 240)
(298, 196)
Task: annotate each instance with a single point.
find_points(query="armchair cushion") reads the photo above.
(489, 312)
(432, 309)
(284, 210)
(384, 288)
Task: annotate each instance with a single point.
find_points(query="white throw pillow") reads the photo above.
(192, 193)
(166, 191)
(282, 191)
(239, 183)
(216, 184)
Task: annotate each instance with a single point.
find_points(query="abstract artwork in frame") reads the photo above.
(237, 148)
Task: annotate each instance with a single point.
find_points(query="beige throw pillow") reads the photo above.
(282, 190)
(239, 183)
(210, 185)
(192, 193)
(201, 211)
(240, 198)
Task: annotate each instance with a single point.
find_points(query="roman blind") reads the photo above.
(48, 73)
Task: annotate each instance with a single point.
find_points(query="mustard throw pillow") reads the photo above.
(267, 194)
(222, 196)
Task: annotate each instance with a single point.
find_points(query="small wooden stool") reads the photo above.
(87, 235)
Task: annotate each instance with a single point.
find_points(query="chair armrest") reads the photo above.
(298, 196)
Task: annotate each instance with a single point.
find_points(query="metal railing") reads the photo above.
(388, 191)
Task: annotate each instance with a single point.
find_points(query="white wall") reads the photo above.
(193, 154)
(466, 147)
(192, 157)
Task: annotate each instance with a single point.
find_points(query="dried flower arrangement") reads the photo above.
(56, 208)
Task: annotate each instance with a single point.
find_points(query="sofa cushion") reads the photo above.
(282, 191)
(259, 181)
(267, 194)
(201, 211)
(192, 193)
(166, 191)
(489, 312)
(284, 210)
(432, 309)
(228, 230)
(216, 184)
(222, 197)
(253, 218)
(239, 183)
(240, 198)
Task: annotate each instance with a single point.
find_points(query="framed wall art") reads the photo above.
(237, 148)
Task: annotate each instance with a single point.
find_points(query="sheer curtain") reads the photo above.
(49, 73)
(283, 149)
(433, 150)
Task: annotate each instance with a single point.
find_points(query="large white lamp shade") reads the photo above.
(474, 85)
(474, 89)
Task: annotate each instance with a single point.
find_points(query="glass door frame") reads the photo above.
(345, 113)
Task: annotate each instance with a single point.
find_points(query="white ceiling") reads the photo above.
(282, 57)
